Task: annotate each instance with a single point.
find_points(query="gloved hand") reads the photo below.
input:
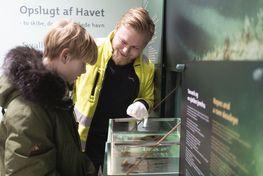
(138, 111)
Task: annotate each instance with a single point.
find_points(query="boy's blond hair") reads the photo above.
(68, 34)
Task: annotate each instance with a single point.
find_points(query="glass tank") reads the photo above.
(136, 150)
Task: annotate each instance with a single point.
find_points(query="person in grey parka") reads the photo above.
(38, 132)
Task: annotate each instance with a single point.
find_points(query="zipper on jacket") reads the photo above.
(3, 111)
(95, 84)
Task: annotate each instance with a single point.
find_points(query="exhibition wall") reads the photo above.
(26, 22)
(219, 91)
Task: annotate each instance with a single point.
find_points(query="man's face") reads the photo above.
(127, 45)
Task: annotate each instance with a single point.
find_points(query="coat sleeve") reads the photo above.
(146, 92)
(29, 149)
(78, 164)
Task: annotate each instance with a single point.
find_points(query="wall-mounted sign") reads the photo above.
(222, 119)
(26, 22)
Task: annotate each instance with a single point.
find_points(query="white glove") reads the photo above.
(138, 111)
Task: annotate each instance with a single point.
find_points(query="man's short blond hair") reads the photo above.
(69, 34)
(139, 19)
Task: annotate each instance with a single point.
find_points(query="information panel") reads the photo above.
(222, 118)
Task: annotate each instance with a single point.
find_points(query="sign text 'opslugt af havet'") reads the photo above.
(52, 12)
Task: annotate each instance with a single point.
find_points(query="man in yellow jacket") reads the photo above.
(119, 84)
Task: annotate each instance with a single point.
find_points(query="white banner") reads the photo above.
(26, 22)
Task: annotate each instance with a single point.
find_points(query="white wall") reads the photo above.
(26, 22)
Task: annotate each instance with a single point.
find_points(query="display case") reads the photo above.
(133, 150)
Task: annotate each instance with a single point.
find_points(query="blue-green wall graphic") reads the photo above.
(214, 30)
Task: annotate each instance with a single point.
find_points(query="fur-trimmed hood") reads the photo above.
(25, 73)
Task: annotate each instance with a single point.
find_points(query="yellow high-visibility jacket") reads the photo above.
(88, 86)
